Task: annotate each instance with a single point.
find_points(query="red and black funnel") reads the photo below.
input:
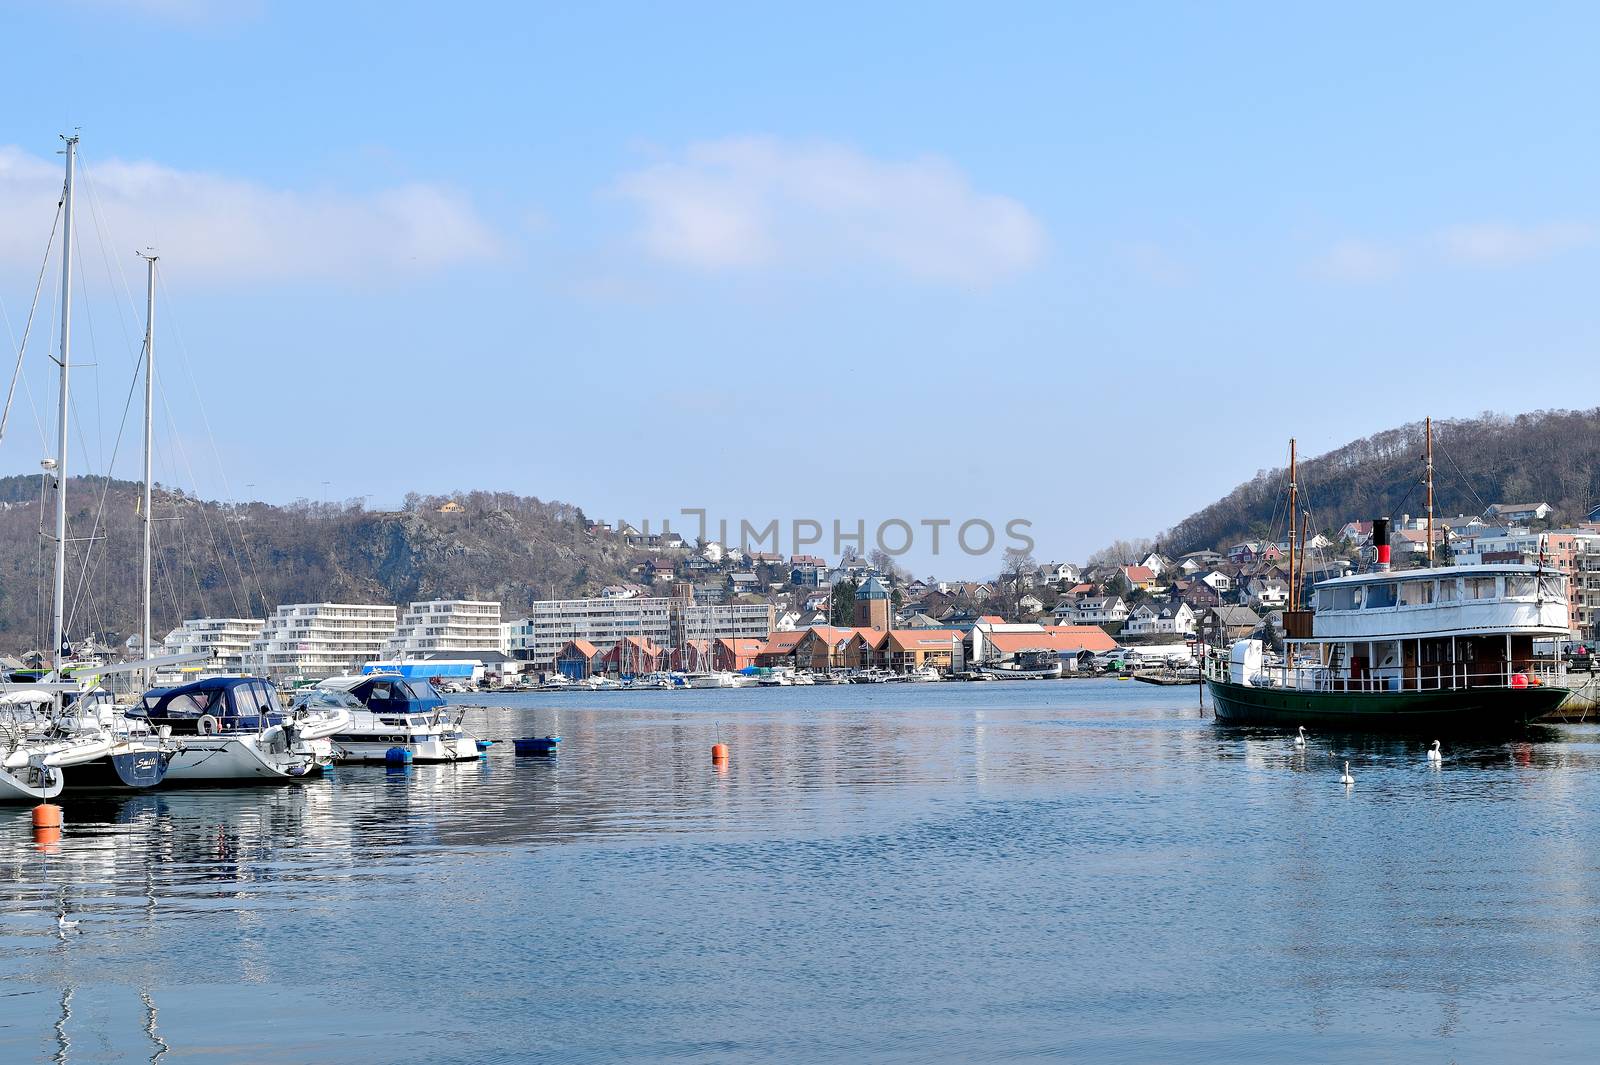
(1380, 542)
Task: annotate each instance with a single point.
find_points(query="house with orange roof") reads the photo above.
(634, 654)
(731, 654)
(903, 650)
(778, 649)
(577, 660)
(1072, 645)
(1141, 577)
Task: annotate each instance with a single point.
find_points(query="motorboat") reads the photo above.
(233, 729)
(713, 679)
(923, 675)
(389, 710)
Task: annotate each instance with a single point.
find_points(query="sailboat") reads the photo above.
(64, 730)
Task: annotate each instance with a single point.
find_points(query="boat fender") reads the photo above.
(397, 756)
(208, 725)
(484, 745)
(1519, 680)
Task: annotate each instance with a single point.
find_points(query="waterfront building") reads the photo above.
(315, 640)
(446, 627)
(577, 660)
(225, 639)
(663, 621)
(872, 605)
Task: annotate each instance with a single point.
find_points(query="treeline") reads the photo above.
(215, 559)
(1545, 456)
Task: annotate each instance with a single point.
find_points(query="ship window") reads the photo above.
(1553, 587)
(1481, 587)
(1416, 593)
(1519, 586)
(245, 701)
(1449, 591)
(1338, 598)
(1380, 595)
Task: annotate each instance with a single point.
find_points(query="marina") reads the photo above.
(1100, 846)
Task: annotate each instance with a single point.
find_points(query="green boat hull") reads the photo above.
(1469, 709)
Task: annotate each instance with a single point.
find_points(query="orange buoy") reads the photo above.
(719, 752)
(46, 815)
(46, 838)
(1519, 680)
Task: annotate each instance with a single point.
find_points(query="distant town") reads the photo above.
(705, 607)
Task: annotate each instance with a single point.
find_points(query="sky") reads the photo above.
(1079, 268)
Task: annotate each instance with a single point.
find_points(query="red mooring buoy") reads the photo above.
(47, 815)
(719, 752)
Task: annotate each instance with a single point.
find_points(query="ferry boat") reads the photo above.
(388, 710)
(1448, 647)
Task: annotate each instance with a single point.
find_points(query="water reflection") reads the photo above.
(903, 871)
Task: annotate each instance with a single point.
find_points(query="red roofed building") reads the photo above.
(577, 660)
(1140, 577)
(733, 654)
(634, 654)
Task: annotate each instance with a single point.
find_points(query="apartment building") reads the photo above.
(225, 639)
(315, 640)
(446, 626)
(663, 621)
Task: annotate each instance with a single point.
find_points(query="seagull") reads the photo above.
(1433, 753)
(1347, 779)
(1300, 740)
(64, 926)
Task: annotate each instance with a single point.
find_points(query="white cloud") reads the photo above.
(1498, 244)
(1482, 244)
(744, 203)
(1360, 260)
(228, 229)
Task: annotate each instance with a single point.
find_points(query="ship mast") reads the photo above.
(58, 623)
(1294, 506)
(149, 397)
(1428, 431)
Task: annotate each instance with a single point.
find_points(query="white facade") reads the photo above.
(446, 626)
(537, 637)
(315, 640)
(664, 621)
(225, 639)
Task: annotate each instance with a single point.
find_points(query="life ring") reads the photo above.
(208, 725)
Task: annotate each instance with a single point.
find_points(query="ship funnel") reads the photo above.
(1380, 543)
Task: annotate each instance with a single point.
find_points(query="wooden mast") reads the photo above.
(1428, 430)
(1294, 506)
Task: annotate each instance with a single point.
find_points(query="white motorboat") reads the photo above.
(923, 675)
(778, 678)
(388, 711)
(714, 679)
(232, 729)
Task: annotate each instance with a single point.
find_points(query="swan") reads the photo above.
(1300, 740)
(1347, 778)
(1433, 753)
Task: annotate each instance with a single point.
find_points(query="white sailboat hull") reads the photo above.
(32, 783)
(245, 757)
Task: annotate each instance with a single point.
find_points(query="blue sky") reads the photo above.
(1082, 267)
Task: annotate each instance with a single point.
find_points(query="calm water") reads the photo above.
(1078, 870)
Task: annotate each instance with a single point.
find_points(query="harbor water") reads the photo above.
(1084, 871)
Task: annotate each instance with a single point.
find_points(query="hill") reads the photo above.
(1545, 456)
(214, 559)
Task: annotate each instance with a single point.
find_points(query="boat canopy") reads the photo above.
(392, 693)
(236, 703)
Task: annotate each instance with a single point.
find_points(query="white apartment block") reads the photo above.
(664, 621)
(721, 621)
(446, 626)
(315, 640)
(225, 639)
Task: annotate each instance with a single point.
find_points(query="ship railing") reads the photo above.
(1425, 679)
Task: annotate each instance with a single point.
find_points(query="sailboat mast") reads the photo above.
(1428, 430)
(149, 407)
(58, 626)
(1294, 507)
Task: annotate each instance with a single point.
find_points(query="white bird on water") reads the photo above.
(1300, 740)
(1347, 778)
(63, 925)
(1433, 753)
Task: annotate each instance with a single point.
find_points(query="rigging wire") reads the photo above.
(27, 327)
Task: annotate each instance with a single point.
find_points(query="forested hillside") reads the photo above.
(1546, 456)
(220, 560)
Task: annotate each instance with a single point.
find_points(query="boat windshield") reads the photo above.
(326, 699)
(193, 704)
